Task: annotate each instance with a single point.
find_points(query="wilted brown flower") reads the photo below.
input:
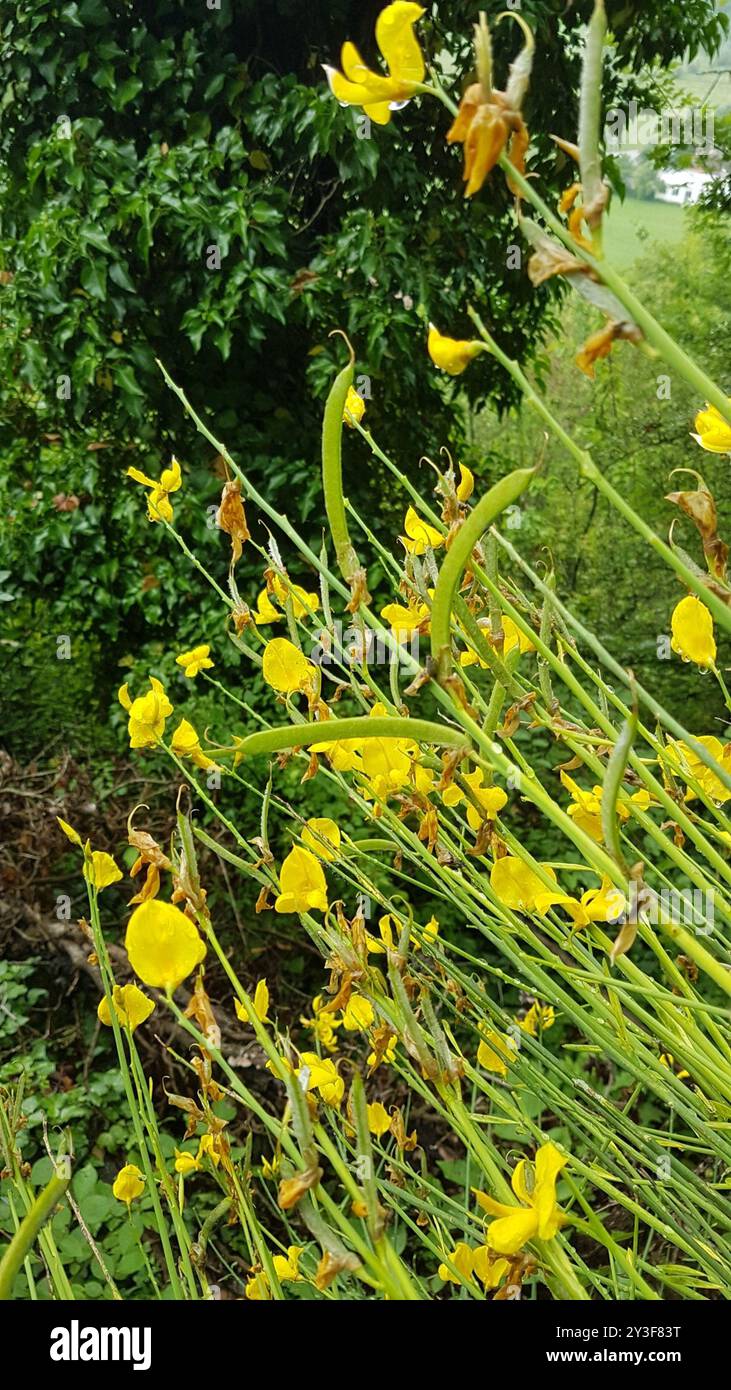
(231, 518)
(488, 120)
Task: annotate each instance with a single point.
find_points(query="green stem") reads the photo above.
(30, 1227)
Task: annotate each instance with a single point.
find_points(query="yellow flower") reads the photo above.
(210, 1146)
(495, 1052)
(466, 485)
(692, 632)
(667, 1060)
(685, 760)
(354, 407)
(265, 610)
(513, 637)
(517, 885)
(257, 1289)
(403, 621)
(318, 829)
(489, 1271)
(539, 1217)
(287, 1266)
(342, 754)
(302, 883)
(462, 1257)
(358, 85)
(452, 355)
(386, 764)
(285, 668)
(147, 714)
(604, 904)
(379, 1120)
(390, 931)
(163, 944)
(540, 1017)
(186, 1163)
(186, 743)
(304, 604)
(128, 1184)
(323, 1024)
(388, 1055)
(358, 1014)
(261, 1000)
(714, 433)
(196, 660)
(491, 799)
(159, 507)
(431, 931)
(130, 1004)
(586, 811)
(323, 1076)
(101, 871)
(69, 832)
(419, 536)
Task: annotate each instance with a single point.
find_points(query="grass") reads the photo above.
(712, 87)
(635, 223)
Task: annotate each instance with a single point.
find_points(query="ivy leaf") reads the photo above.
(94, 279)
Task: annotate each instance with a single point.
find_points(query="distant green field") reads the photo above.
(633, 225)
(714, 88)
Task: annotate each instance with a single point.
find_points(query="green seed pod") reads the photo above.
(502, 495)
(332, 471)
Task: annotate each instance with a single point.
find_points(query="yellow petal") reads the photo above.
(142, 478)
(692, 632)
(285, 668)
(69, 832)
(419, 535)
(354, 407)
(128, 1184)
(319, 829)
(261, 1000)
(466, 484)
(517, 885)
(303, 887)
(509, 1234)
(397, 42)
(451, 355)
(461, 1256)
(163, 945)
(489, 1271)
(714, 433)
(379, 1120)
(102, 871)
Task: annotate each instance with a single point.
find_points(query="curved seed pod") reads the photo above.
(332, 471)
(612, 786)
(502, 495)
(333, 730)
